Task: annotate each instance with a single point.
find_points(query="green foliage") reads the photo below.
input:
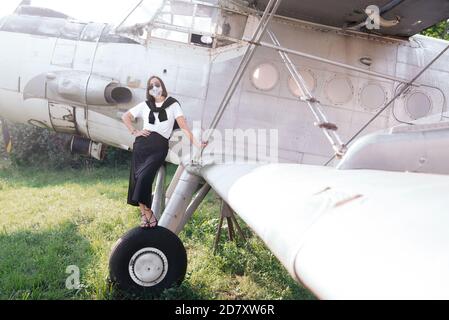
(34, 146)
(42, 148)
(74, 216)
(439, 31)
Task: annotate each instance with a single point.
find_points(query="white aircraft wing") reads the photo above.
(346, 234)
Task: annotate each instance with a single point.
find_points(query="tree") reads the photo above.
(440, 30)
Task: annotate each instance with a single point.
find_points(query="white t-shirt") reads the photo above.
(164, 128)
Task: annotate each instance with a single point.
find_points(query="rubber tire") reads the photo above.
(138, 238)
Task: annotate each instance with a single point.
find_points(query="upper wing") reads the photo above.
(415, 15)
(346, 233)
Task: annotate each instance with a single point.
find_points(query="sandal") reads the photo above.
(150, 223)
(144, 223)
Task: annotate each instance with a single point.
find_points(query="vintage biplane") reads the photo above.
(348, 189)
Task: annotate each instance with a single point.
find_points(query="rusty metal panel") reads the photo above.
(62, 117)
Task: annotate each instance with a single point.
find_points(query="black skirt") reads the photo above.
(148, 155)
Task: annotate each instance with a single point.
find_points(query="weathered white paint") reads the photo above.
(392, 229)
(198, 76)
(346, 234)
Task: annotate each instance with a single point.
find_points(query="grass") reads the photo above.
(50, 220)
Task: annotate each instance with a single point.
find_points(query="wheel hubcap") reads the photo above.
(148, 267)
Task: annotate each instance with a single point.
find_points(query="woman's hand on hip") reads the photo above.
(143, 133)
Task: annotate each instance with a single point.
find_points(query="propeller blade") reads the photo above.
(6, 136)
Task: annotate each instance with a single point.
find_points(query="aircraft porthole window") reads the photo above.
(339, 90)
(265, 77)
(372, 97)
(418, 105)
(309, 79)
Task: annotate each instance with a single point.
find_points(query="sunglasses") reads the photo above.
(157, 85)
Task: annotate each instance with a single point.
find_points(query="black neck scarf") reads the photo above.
(162, 114)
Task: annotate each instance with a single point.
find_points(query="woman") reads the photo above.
(150, 148)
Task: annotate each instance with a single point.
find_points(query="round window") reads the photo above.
(309, 79)
(418, 105)
(265, 77)
(339, 90)
(372, 97)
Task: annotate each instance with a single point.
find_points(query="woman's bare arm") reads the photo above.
(185, 128)
(128, 119)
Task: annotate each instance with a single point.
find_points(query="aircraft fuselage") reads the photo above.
(58, 81)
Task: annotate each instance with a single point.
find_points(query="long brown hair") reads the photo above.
(164, 89)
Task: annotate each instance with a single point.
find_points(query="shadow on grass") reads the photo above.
(33, 266)
(249, 258)
(182, 292)
(254, 260)
(33, 263)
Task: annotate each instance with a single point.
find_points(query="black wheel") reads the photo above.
(147, 261)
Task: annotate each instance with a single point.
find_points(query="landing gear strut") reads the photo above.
(153, 259)
(226, 212)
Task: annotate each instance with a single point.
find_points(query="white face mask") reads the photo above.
(156, 92)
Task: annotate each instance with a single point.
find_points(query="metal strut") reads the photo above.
(329, 129)
(268, 14)
(158, 204)
(227, 213)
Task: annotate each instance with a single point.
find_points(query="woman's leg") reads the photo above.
(147, 165)
(142, 207)
(145, 218)
(148, 217)
(144, 179)
(144, 184)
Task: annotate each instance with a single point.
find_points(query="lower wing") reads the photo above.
(346, 234)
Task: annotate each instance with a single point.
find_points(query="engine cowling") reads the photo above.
(77, 87)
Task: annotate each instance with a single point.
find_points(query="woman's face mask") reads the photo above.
(155, 90)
